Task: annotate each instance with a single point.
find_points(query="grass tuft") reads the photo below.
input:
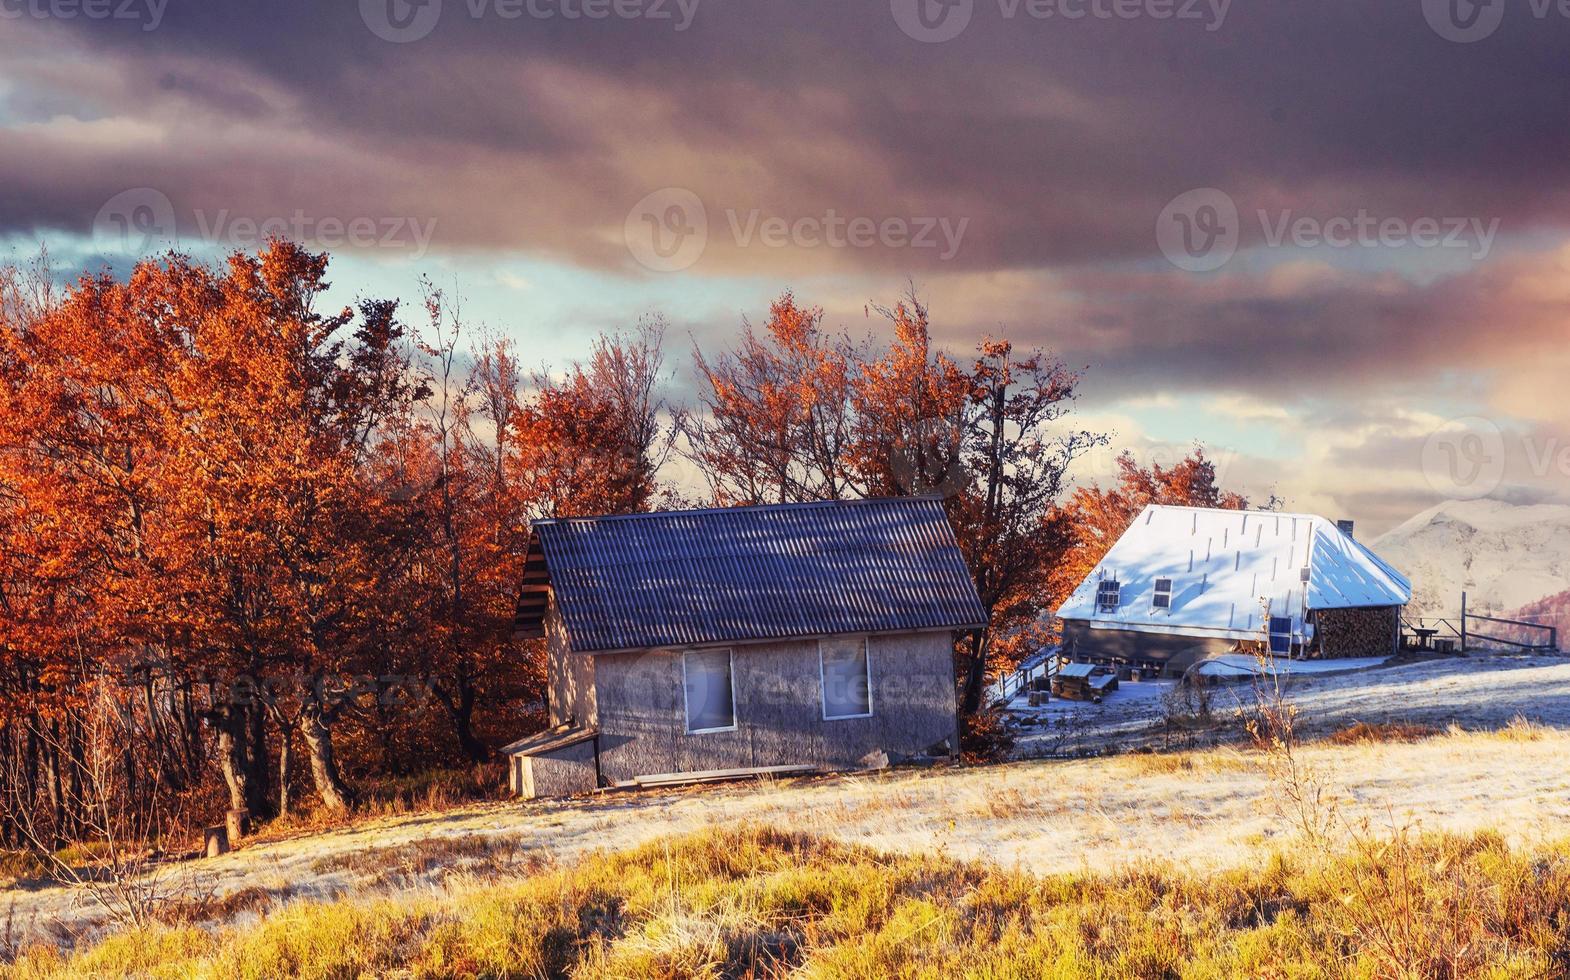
(1368, 733)
(755, 901)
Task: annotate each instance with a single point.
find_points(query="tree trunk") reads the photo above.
(324, 767)
(190, 728)
(463, 723)
(77, 800)
(285, 750)
(256, 760)
(975, 675)
(232, 756)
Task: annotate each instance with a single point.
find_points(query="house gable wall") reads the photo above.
(779, 713)
(570, 693)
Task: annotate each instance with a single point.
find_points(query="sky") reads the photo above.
(1328, 240)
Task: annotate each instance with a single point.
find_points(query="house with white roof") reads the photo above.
(1184, 583)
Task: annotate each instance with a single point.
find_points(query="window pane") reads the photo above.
(1281, 634)
(846, 687)
(709, 702)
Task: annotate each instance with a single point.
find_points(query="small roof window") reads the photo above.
(1109, 593)
(1163, 595)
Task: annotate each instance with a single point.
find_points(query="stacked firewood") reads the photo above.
(1353, 633)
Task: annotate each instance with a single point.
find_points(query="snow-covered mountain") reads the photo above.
(1502, 555)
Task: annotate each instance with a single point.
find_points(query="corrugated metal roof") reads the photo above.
(685, 578)
(1223, 563)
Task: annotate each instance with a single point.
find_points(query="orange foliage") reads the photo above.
(261, 523)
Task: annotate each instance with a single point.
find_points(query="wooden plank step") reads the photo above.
(714, 775)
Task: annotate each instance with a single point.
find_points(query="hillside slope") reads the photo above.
(1504, 556)
(1551, 610)
(1208, 809)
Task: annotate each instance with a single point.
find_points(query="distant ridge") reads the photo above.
(1504, 556)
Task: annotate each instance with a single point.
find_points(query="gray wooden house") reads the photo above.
(712, 643)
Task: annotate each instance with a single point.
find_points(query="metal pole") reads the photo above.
(1463, 622)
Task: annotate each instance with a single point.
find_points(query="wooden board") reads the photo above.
(712, 775)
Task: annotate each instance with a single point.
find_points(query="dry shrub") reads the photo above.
(1365, 733)
(18, 866)
(213, 908)
(984, 737)
(1189, 703)
(430, 791)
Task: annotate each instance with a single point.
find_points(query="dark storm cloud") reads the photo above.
(1290, 332)
(1056, 142)
(1060, 141)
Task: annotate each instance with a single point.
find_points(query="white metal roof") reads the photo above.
(1223, 563)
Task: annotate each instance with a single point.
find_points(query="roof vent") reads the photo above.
(1345, 527)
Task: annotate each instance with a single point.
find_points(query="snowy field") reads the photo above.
(1206, 808)
(1478, 692)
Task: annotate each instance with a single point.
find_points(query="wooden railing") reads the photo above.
(1463, 630)
(1043, 663)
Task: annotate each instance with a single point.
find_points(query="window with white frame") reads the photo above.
(710, 691)
(847, 677)
(1163, 594)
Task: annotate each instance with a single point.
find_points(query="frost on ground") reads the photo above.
(1208, 808)
(1480, 692)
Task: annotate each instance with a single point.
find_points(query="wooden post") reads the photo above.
(217, 839)
(1463, 622)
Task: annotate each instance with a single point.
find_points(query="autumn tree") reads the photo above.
(1018, 450)
(593, 441)
(454, 456)
(791, 415)
(775, 420)
(290, 404)
(94, 569)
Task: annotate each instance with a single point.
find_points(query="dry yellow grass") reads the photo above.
(1208, 810)
(1170, 763)
(759, 902)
